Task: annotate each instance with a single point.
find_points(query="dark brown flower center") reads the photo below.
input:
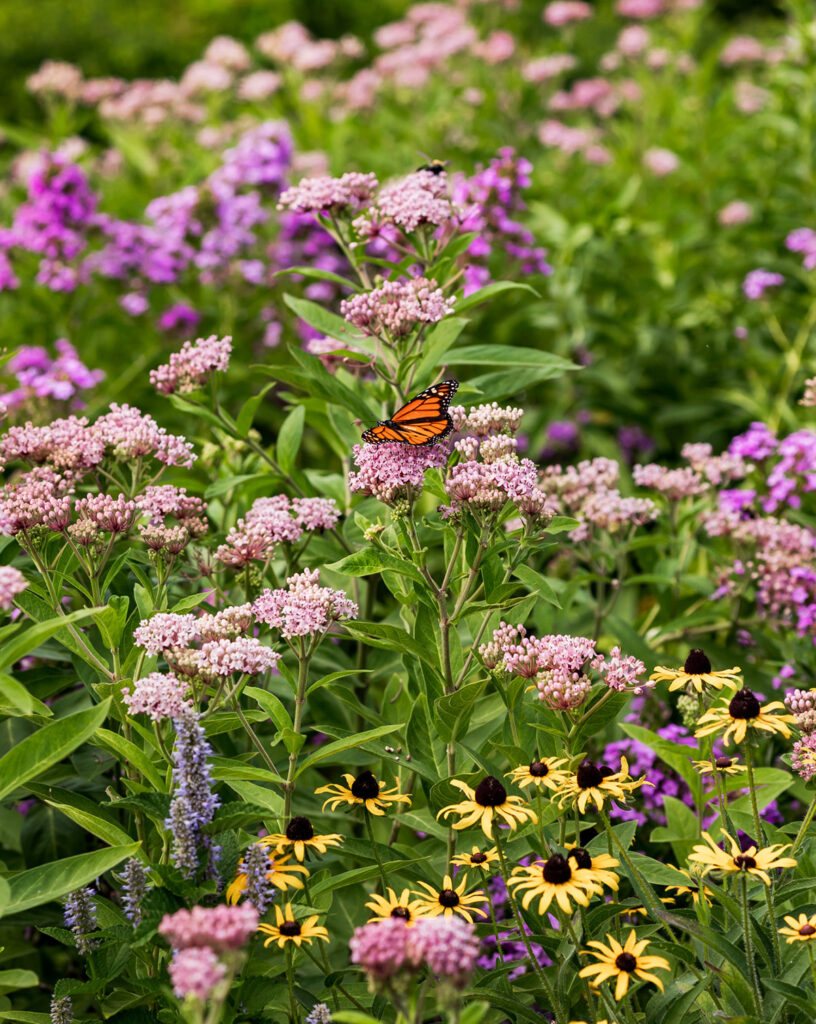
(744, 863)
(449, 898)
(365, 787)
(626, 962)
(402, 912)
(490, 792)
(538, 769)
(744, 705)
(588, 775)
(581, 857)
(289, 928)
(723, 762)
(807, 929)
(697, 663)
(556, 870)
(478, 858)
(299, 830)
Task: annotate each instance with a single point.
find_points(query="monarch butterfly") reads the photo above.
(423, 420)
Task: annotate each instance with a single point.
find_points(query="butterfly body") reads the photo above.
(422, 421)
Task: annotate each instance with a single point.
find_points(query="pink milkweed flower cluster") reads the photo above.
(303, 607)
(758, 281)
(324, 194)
(735, 213)
(394, 472)
(417, 199)
(571, 140)
(157, 695)
(742, 50)
(675, 484)
(198, 936)
(802, 703)
(12, 583)
(599, 95)
(542, 69)
(640, 8)
(564, 12)
(242, 655)
(716, 469)
(396, 307)
(196, 972)
(165, 630)
(447, 945)
(272, 521)
(193, 366)
(486, 420)
(661, 162)
(809, 396)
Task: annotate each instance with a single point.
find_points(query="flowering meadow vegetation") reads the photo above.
(408, 585)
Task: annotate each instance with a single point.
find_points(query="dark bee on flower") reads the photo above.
(434, 166)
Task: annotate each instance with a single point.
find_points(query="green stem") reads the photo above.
(374, 849)
(300, 700)
(749, 947)
(800, 835)
(290, 984)
(749, 764)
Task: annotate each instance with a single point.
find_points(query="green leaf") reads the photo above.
(50, 744)
(437, 342)
(129, 753)
(503, 384)
(25, 1016)
(258, 795)
(18, 977)
(330, 324)
(538, 583)
(512, 355)
(393, 638)
(50, 881)
(453, 710)
(16, 700)
(246, 414)
(357, 739)
(272, 705)
(289, 438)
(83, 811)
(317, 275)
(38, 633)
(490, 291)
(372, 560)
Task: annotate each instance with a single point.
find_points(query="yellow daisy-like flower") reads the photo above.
(720, 766)
(743, 712)
(364, 790)
(486, 801)
(299, 836)
(599, 865)
(555, 879)
(695, 888)
(401, 906)
(751, 861)
(597, 783)
(546, 772)
(697, 674)
(480, 859)
(280, 873)
(801, 929)
(287, 929)
(622, 962)
(448, 901)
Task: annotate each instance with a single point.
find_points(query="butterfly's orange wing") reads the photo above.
(423, 420)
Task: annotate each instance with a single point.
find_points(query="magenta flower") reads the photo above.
(756, 281)
(394, 472)
(380, 948)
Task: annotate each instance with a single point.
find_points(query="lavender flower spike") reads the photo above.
(194, 803)
(80, 917)
(134, 889)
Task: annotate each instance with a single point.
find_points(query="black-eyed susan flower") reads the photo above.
(547, 772)
(480, 859)
(287, 929)
(720, 766)
(364, 790)
(751, 861)
(484, 803)
(597, 783)
(600, 865)
(744, 712)
(300, 836)
(556, 878)
(280, 874)
(694, 888)
(697, 674)
(401, 906)
(448, 900)
(622, 962)
(800, 929)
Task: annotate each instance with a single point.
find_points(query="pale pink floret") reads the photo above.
(674, 483)
(304, 607)
(244, 654)
(448, 945)
(563, 12)
(158, 695)
(165, 630)
(391, 472)
(195, 972)
(325, 194)
(380, 948)
(220, 928)
(192, 366)
(12, 583)
(396, 307)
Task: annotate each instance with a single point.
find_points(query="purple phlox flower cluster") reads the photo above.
(397, 307)
(803, 240)
(256, 864)
(38, 376)
(675, 484)
(643, 760)
(158, 695)
(12, 583)
(788, 478)
(757, 443)
(324, 194)
(192, 366)
(486, 420)
(135, 885)
(62, 1010)
(303, 608)
(221, 928)
(194, 803)
(564, 12)
(195, 972)
(272, 521)
(757, 281)
(394, 472)
(244, 654)
(563, 438)
(588, 493)
(80, 916)
(180, 317)
(165, 630)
